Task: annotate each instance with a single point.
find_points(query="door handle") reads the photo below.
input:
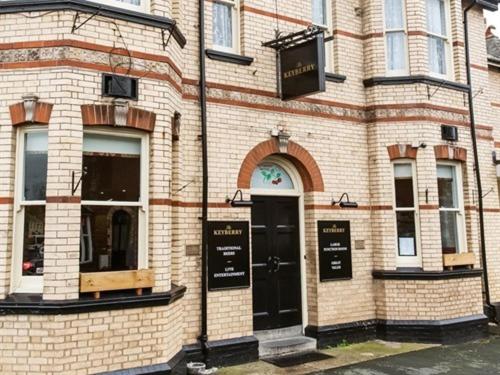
(276, 264)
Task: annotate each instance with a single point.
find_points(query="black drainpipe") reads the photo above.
(204, 156)
(476, 160)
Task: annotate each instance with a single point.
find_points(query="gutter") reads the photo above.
(477, 170)
(204, 155)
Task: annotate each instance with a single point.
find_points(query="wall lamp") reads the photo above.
(240, 202)
(345, 204)
(496, 161)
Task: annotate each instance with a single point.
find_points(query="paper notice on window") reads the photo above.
(406, 246)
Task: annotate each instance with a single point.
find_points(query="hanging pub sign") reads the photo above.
(334, 239)
(228, 255)
(303, 68)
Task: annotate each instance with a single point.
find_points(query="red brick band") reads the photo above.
(6, 200)
(62, 199)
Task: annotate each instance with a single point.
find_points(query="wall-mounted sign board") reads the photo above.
(228, 255)
(335, 259)
(303, 68)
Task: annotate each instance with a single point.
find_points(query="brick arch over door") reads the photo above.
(299, 156)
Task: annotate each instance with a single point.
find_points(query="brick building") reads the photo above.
(102, 186)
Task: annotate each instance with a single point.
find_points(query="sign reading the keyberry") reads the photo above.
(303, 68)
(228, 255)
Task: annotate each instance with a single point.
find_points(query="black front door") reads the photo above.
(276, 262)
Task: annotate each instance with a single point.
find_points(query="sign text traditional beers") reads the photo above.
(303, 68)
(228, 255)
(335, 262)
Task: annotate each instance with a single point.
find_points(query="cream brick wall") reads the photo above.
(346, 129)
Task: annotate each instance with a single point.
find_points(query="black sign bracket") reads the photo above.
(292, 39)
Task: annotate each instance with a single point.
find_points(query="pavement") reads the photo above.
(341, 355)
(475, 358)
(378, 357)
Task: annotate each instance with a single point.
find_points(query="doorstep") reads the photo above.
(342, 355)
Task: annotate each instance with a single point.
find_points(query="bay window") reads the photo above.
(438, 37)
(396, 38)
(27, 272)
(451, 210)
(225, 31)
(322, 17)
(406, 212)
(114, 202)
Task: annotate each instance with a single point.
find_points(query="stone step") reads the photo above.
(282, 346)
(279, 333)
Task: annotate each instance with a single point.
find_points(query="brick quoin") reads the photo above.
(300, 157)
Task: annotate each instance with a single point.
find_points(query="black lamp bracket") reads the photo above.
(240, 202)
(344, 204)
(496, 161)
(75, 184)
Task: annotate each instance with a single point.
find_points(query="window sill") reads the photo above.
(416, 274)
(16, 6)
(406, 80)
(228, 57)
(334, 77)
(33, 304)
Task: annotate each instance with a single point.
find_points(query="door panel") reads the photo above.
(276, 262)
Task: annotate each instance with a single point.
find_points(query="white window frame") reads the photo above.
(460, 211)
(20, 283)
(404, 30)
(448, 47)
(144, 7)
(235, 9)
(328, 29)
(407, 260)
(143, 202)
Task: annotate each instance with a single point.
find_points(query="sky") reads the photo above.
(493, 18)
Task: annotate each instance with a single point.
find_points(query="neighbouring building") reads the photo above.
(343, 215)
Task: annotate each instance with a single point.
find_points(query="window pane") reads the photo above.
(35, 166)
(447, 186)
(271, 176)
(449, 231)
(319, 15)
(406, 233)
(396, 51)
(112, 167)
(436, 17)
(404, 185)
(133, 2)
(34, 232)
(111, 233)
(437, 55)
(394, 14)
(223, 25)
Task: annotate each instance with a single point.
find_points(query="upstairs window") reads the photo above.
(114, 205)
(226, 25)
(30, 218)
(138, 5)
(395, 37)
(406, 211)
(451, 209)
(322, 17)
(438, 37)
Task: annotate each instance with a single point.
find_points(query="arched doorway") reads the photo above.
(278, 268)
